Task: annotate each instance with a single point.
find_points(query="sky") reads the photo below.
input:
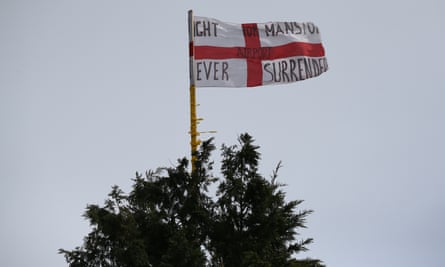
(93, 91)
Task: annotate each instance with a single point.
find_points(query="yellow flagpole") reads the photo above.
(194, 141)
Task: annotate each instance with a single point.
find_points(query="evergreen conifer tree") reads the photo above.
(169, 219)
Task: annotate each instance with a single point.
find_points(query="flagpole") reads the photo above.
(194, 142)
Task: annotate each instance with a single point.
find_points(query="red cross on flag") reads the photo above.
(227, 54)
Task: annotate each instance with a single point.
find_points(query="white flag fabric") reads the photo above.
(253, 54)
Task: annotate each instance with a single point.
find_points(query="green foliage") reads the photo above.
(169, 219)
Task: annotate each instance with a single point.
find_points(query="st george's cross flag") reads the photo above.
(227, 54)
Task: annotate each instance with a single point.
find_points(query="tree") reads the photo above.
(169, 219)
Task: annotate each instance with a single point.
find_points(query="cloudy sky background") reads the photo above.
(93, 91)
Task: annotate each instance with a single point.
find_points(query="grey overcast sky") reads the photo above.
(93, 91)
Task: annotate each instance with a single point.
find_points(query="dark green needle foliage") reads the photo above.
(169, 218)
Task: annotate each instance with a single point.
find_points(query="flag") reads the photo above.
(227, 54)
